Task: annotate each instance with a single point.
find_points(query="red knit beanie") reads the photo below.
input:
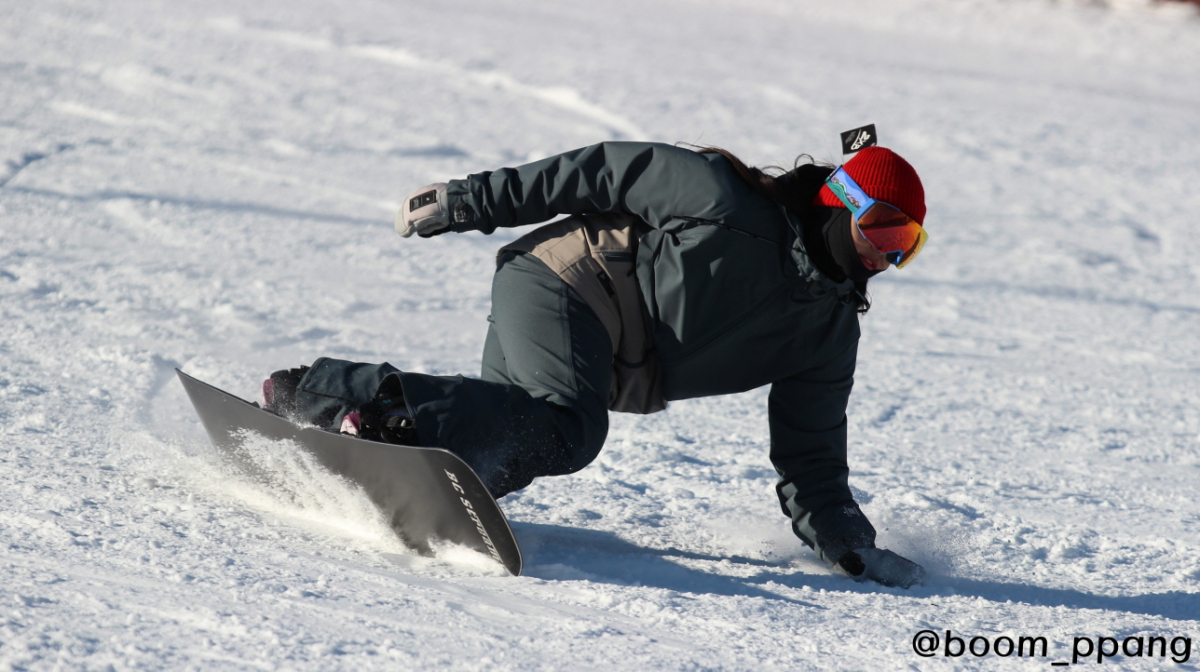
(886, 177)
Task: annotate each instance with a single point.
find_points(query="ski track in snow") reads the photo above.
(563, 97)
(210, 186)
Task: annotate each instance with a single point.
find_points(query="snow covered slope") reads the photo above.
(209, 185)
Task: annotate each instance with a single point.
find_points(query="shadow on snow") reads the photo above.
(557, 552)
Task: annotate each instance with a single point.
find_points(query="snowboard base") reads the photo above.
(426, 494)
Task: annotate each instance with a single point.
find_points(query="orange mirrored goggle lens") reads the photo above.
(896, 235)
(892, 232)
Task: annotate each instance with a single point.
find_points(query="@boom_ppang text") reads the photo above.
(1080, 650)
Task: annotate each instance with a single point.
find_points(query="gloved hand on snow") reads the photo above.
(424, 212)
(881, 566)
(842, 536)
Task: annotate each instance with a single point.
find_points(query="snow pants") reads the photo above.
(540, 407)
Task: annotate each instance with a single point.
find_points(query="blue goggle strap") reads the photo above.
(848, 192)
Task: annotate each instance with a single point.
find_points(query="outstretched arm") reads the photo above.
(653, 181)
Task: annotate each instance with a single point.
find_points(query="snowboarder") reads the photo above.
(676, 274)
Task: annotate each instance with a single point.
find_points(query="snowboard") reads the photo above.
(426, 494)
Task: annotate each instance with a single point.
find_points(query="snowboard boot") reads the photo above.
(279, 391)
(385, 418)
(387, 423)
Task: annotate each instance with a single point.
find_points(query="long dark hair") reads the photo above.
(795, 190)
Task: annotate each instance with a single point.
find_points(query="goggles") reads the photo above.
(896, 235)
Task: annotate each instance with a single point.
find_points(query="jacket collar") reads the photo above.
(808, 270)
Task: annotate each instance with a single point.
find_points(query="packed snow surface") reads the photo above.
(210, 186)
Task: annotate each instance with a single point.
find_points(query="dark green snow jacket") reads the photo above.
(734, 300)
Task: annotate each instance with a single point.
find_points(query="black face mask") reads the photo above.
(840, 243)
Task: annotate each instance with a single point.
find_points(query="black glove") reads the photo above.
(844, 539)
(881, 566)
